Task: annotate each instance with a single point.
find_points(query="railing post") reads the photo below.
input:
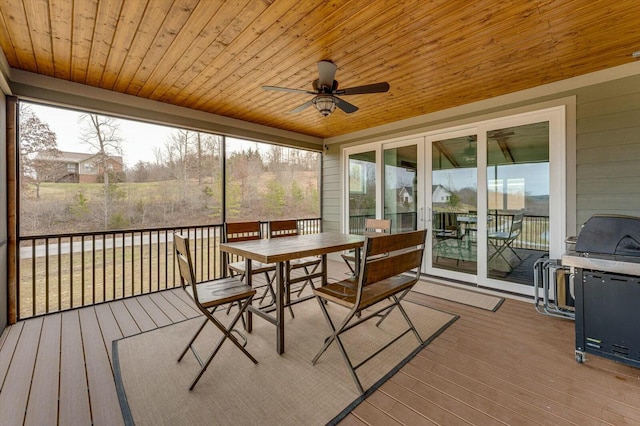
(12, 209)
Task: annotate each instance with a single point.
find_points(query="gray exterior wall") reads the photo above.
(331, 189)
(608, 149)
(606, 178)
(3, 214)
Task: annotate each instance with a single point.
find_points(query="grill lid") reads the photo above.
(610, 234)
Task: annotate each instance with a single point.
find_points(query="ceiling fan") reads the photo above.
(326, 90)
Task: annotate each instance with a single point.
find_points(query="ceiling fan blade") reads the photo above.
(302, 107)
(368, 88)
(327, 73)
(286, 89)
(345, 106)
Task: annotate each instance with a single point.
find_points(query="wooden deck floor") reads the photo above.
(512, 366)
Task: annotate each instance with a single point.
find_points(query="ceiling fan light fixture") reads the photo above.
(469, 154)
(325, 104)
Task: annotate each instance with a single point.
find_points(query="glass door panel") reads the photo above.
(518, 193)
(400, 187)
(454, 189)
(362, 190)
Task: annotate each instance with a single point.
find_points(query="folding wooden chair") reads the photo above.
(371, 226)
(382, 279)
(502, 240)
(289, 228)
(247, 231)
(207, 296)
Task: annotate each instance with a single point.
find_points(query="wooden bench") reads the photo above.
(383, 280)
(371, 226)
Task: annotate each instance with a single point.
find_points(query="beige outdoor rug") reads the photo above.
(281, 389)
(471, 298)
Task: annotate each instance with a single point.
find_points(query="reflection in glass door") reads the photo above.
(454, 204)
(518, 193)
(400, 187)
(362, 190)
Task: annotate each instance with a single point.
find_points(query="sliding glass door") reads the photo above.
(362, 190)
(484, 191)
(454, 204)
(493, 209)
(518, 192)
(401, 186)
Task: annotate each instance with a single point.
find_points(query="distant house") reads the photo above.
(440, 194)
(78, 167)
(405, 195)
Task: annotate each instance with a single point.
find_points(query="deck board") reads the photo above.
(125, 321)
(403, 413)
(167, 308)
(418, 395)
(10, 341)
(159, 318)
(373, 416)
(187, 309)
(43, 398)
(512, 366)
(14, 403)
(140, 316)
(108, 326)
(74, 395)
(102, 388)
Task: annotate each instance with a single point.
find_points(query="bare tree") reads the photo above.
(102, 133)
(208, 155)
(38, 150)
(177, 150)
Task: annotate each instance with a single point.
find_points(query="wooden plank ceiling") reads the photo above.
(215, 55)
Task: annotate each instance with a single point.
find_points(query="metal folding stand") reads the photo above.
(545, 273)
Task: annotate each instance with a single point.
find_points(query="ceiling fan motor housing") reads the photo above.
(326, 88)
(325, 104)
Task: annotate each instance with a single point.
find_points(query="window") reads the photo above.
(268, 182)
(139, 175)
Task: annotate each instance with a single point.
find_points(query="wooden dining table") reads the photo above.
(282, 250)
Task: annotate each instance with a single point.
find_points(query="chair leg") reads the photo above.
(330, 338)
(193, 339)
(335, 336)
(396, 303)
(353, 271)
(227, 334)
(268, 289)
(287, 287)
(513, 251)
(309, 281)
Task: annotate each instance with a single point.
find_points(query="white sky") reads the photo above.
(140, 139)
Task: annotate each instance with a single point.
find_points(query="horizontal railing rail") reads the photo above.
(59, 272)
(533, 236)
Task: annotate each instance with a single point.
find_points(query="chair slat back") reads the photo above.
(283, 228)
(516, 225)
(377, 225)
(242, 231)
(185, 267)
(402, 253)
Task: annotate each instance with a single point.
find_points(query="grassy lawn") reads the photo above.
(66, 281)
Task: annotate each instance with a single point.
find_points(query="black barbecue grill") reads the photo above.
(605, 267)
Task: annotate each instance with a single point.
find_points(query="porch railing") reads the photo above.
(64, 271)
(534, 234)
